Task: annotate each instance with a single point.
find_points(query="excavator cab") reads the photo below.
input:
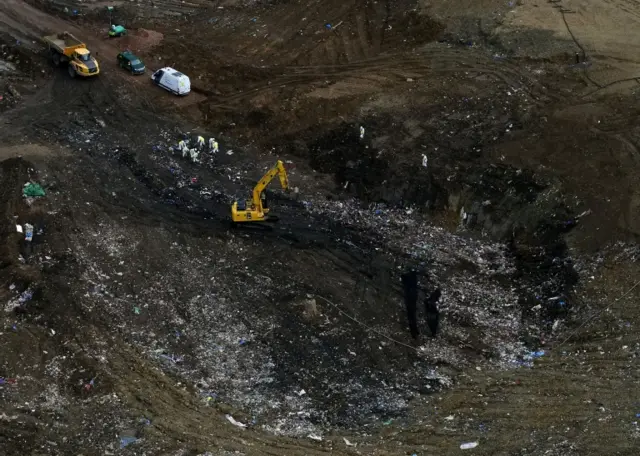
(256, 209)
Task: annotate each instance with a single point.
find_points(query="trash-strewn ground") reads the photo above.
(137, 321)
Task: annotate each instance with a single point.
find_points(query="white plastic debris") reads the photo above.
(587, 212)
(468, 445)
(19, 228)
(463, 215)
(302, 392)
(234, 422)
(315, 437)
(347, 442)
(28, 232)
(425, 160)
(229, 152)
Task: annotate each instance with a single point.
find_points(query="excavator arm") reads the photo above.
(256, 212)
(277, 170)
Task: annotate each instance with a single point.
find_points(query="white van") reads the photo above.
(172, 80)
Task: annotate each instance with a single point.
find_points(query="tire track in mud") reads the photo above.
(430, 62)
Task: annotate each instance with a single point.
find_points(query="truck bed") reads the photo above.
(63, 42)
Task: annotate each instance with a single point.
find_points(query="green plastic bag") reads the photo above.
(33, 190)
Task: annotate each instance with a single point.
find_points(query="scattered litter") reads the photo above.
(315, 437)
(449, 418)
(535, 354)
(25, 296)
(33, 190)
(302, 392)
(468, 445)
(124, 441)
(136, 310)
(12, 287)
(587, 212)
(89, 385)
(29, 232)
(19, 228)
(425, 160)
(172, 358)
(234, 422)
(388, 422)
(229, 152)
(347, 442)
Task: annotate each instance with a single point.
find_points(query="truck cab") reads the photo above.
(84, 63)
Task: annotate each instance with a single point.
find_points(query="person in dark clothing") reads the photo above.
(410, 284)
(431, 309)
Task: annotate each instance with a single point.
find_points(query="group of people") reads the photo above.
(199, 146)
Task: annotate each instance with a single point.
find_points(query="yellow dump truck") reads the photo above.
(66, 48)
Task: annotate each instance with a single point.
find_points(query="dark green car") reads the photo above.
(131, 62)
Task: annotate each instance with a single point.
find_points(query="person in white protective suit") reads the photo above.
(213, 145)
(182, 144)
(194, 155)
(361, 132)
(185, 151)
(200, 142)
(425, 160)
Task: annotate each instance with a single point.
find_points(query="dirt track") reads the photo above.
(148, 317)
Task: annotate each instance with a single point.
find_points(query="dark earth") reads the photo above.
(138, 320)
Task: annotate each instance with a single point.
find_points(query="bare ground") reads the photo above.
(136, 312)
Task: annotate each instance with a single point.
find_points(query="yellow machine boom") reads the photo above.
(254, 210)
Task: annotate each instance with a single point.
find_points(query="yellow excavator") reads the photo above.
(256, 209)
